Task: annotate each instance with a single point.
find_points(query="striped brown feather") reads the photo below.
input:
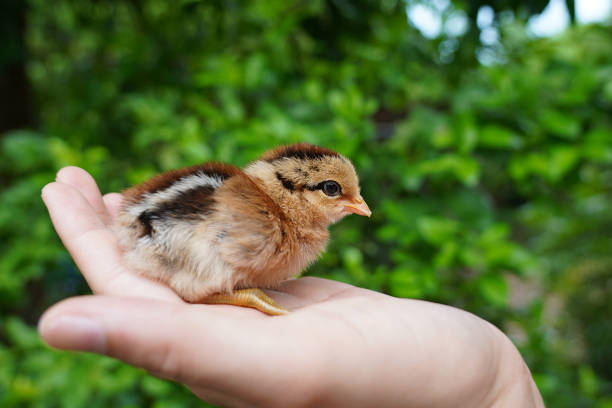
(303, 151)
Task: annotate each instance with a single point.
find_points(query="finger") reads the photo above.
(199, 345)
(85, 236)
(93, 246)
(113, 203)
(86, 185)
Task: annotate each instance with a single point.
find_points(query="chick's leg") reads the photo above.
(253, 297)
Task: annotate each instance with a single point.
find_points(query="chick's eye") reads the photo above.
(331, 188)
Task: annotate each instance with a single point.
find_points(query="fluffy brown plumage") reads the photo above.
(213, 228)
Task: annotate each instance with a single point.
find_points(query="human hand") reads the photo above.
(340, 345)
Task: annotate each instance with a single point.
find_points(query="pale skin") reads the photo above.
(340, 345)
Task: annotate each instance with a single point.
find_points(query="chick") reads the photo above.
(215, 233)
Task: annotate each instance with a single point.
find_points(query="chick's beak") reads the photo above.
(358, 206)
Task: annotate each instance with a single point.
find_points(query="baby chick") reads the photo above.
(215, 233)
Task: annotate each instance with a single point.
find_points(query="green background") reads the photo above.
(490, 184)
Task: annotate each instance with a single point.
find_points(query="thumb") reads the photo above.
(182, 342)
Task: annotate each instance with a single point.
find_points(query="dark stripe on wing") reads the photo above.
(146, 218)
(192, 204)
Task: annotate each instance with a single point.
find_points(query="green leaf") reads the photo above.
(561, 160)
(589, 383)
(494, 289)
(437, 230)
(20, 334)
(24, 150)
(405, 283)
(560, 124)
(497, 137)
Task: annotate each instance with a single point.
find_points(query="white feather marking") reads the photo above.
(190, 182)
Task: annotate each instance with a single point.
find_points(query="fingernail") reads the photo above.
(74, 333)
(44, 190)
(59, 176)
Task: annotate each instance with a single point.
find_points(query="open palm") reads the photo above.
(340, 345)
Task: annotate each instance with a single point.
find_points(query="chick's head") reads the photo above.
(314, 177)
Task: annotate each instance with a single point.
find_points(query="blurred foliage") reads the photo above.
(490, 184)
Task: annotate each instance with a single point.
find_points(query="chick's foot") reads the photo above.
(253, 297)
